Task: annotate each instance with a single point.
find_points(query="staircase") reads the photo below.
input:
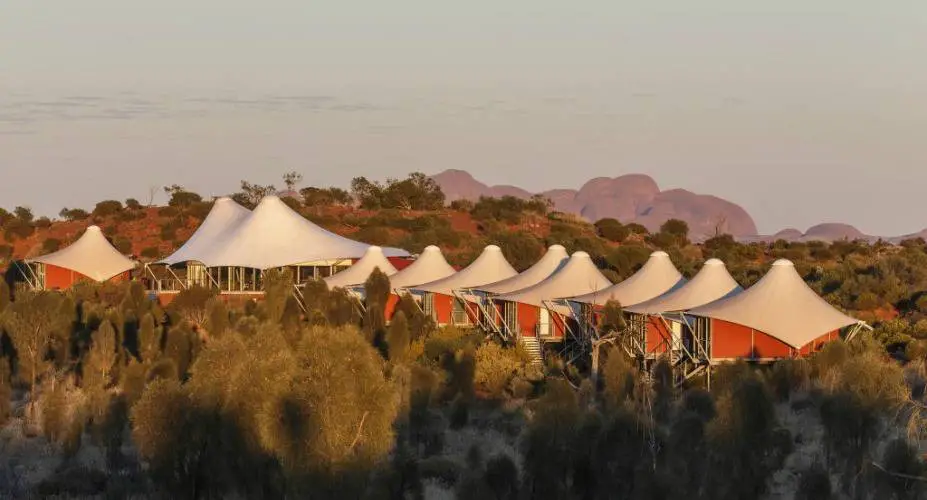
(533, 347)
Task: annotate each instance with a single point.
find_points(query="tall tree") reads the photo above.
(30, 321)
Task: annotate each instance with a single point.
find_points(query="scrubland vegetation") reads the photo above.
(105, 394)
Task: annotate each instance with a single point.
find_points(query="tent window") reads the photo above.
(510, 315)
(428, 305)
(543, 322)
(459, 312)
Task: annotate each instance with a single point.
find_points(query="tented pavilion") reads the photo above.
(429, 266)
(235, 248)
(91, 257)
(358, 273)
(657, 276)
(442, 299)
(778, 317)
(537, 312)
(552, 261)
(659, 326)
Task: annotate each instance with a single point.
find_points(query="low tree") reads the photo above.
(31, 321)
(377, 290)
(398, 338)
(612, 230)
(252, 194)
(292, 179)
(107, 208)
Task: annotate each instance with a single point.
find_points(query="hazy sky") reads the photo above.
(802, 111)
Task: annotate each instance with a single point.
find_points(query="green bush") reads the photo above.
(51, 245)
(107, 208)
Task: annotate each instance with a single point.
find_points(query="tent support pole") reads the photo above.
(177, 278)
(32, 284)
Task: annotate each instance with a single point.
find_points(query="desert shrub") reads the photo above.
(627, 259)
(123, 244)
(6, 251)
(133, 204)
(107, 208)
(6, 392)
(548, 446)
(398, 338)
(496, 367)
(73, 214)
(31, 321)
(18, 229)
(901, 471)
(420, 325)
(150, 252)
(447, 341)
(612, 230)
(619, 377)
(377, 290)
(51, 245)
(789, 375)
(179, 346)
(521, 248)
(342, 374)
(168, 211)
(814, 484)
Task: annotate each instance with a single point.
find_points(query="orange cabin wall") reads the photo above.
(732, 341)
(59, 278)
(529, 316)
(658, 335)
(391, 303)
(443, 305)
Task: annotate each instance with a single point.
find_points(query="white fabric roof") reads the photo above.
(489, 267)
(657, 277)
(712, 283)
(276, 236)
(782, 305)
(553, 260)
(429, 266)
(358, 273)
(91, 255)
(224, 216)
(578, 276)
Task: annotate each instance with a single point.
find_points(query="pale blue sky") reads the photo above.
(800, 111)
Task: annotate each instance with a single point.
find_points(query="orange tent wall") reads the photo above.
(657, 335)
(733, 341)
(444, 307)
(391, 303)
(529, 316)
(59, 278)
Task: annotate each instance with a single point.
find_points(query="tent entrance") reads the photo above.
(543, 322)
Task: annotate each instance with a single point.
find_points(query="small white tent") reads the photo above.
(429, 266)
(91, 256)
(276, 236)
(656, 277)
(224, 216)
(489, 267)
(712, 283)
(358, 273)
(578, 276)
(552, 261)
(781, 305)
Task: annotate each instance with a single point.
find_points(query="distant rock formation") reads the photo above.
(628, 198)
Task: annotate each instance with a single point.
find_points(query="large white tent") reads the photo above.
(91, 256)
(429, 266)
(656, 277)
(781, 305)
(713, 282)
(489, 267)
(224, 216)
(552, 261)
(276, 236)
(358, 273)
(578, 276)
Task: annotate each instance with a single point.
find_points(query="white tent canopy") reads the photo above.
(578, 276)
(782, 305)
(553, 260)
(91, 255)
(712, 283)
(225, 216)
(276, 236)
(429, 266)
(358, 273)
(656, 277)
(489, 267)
